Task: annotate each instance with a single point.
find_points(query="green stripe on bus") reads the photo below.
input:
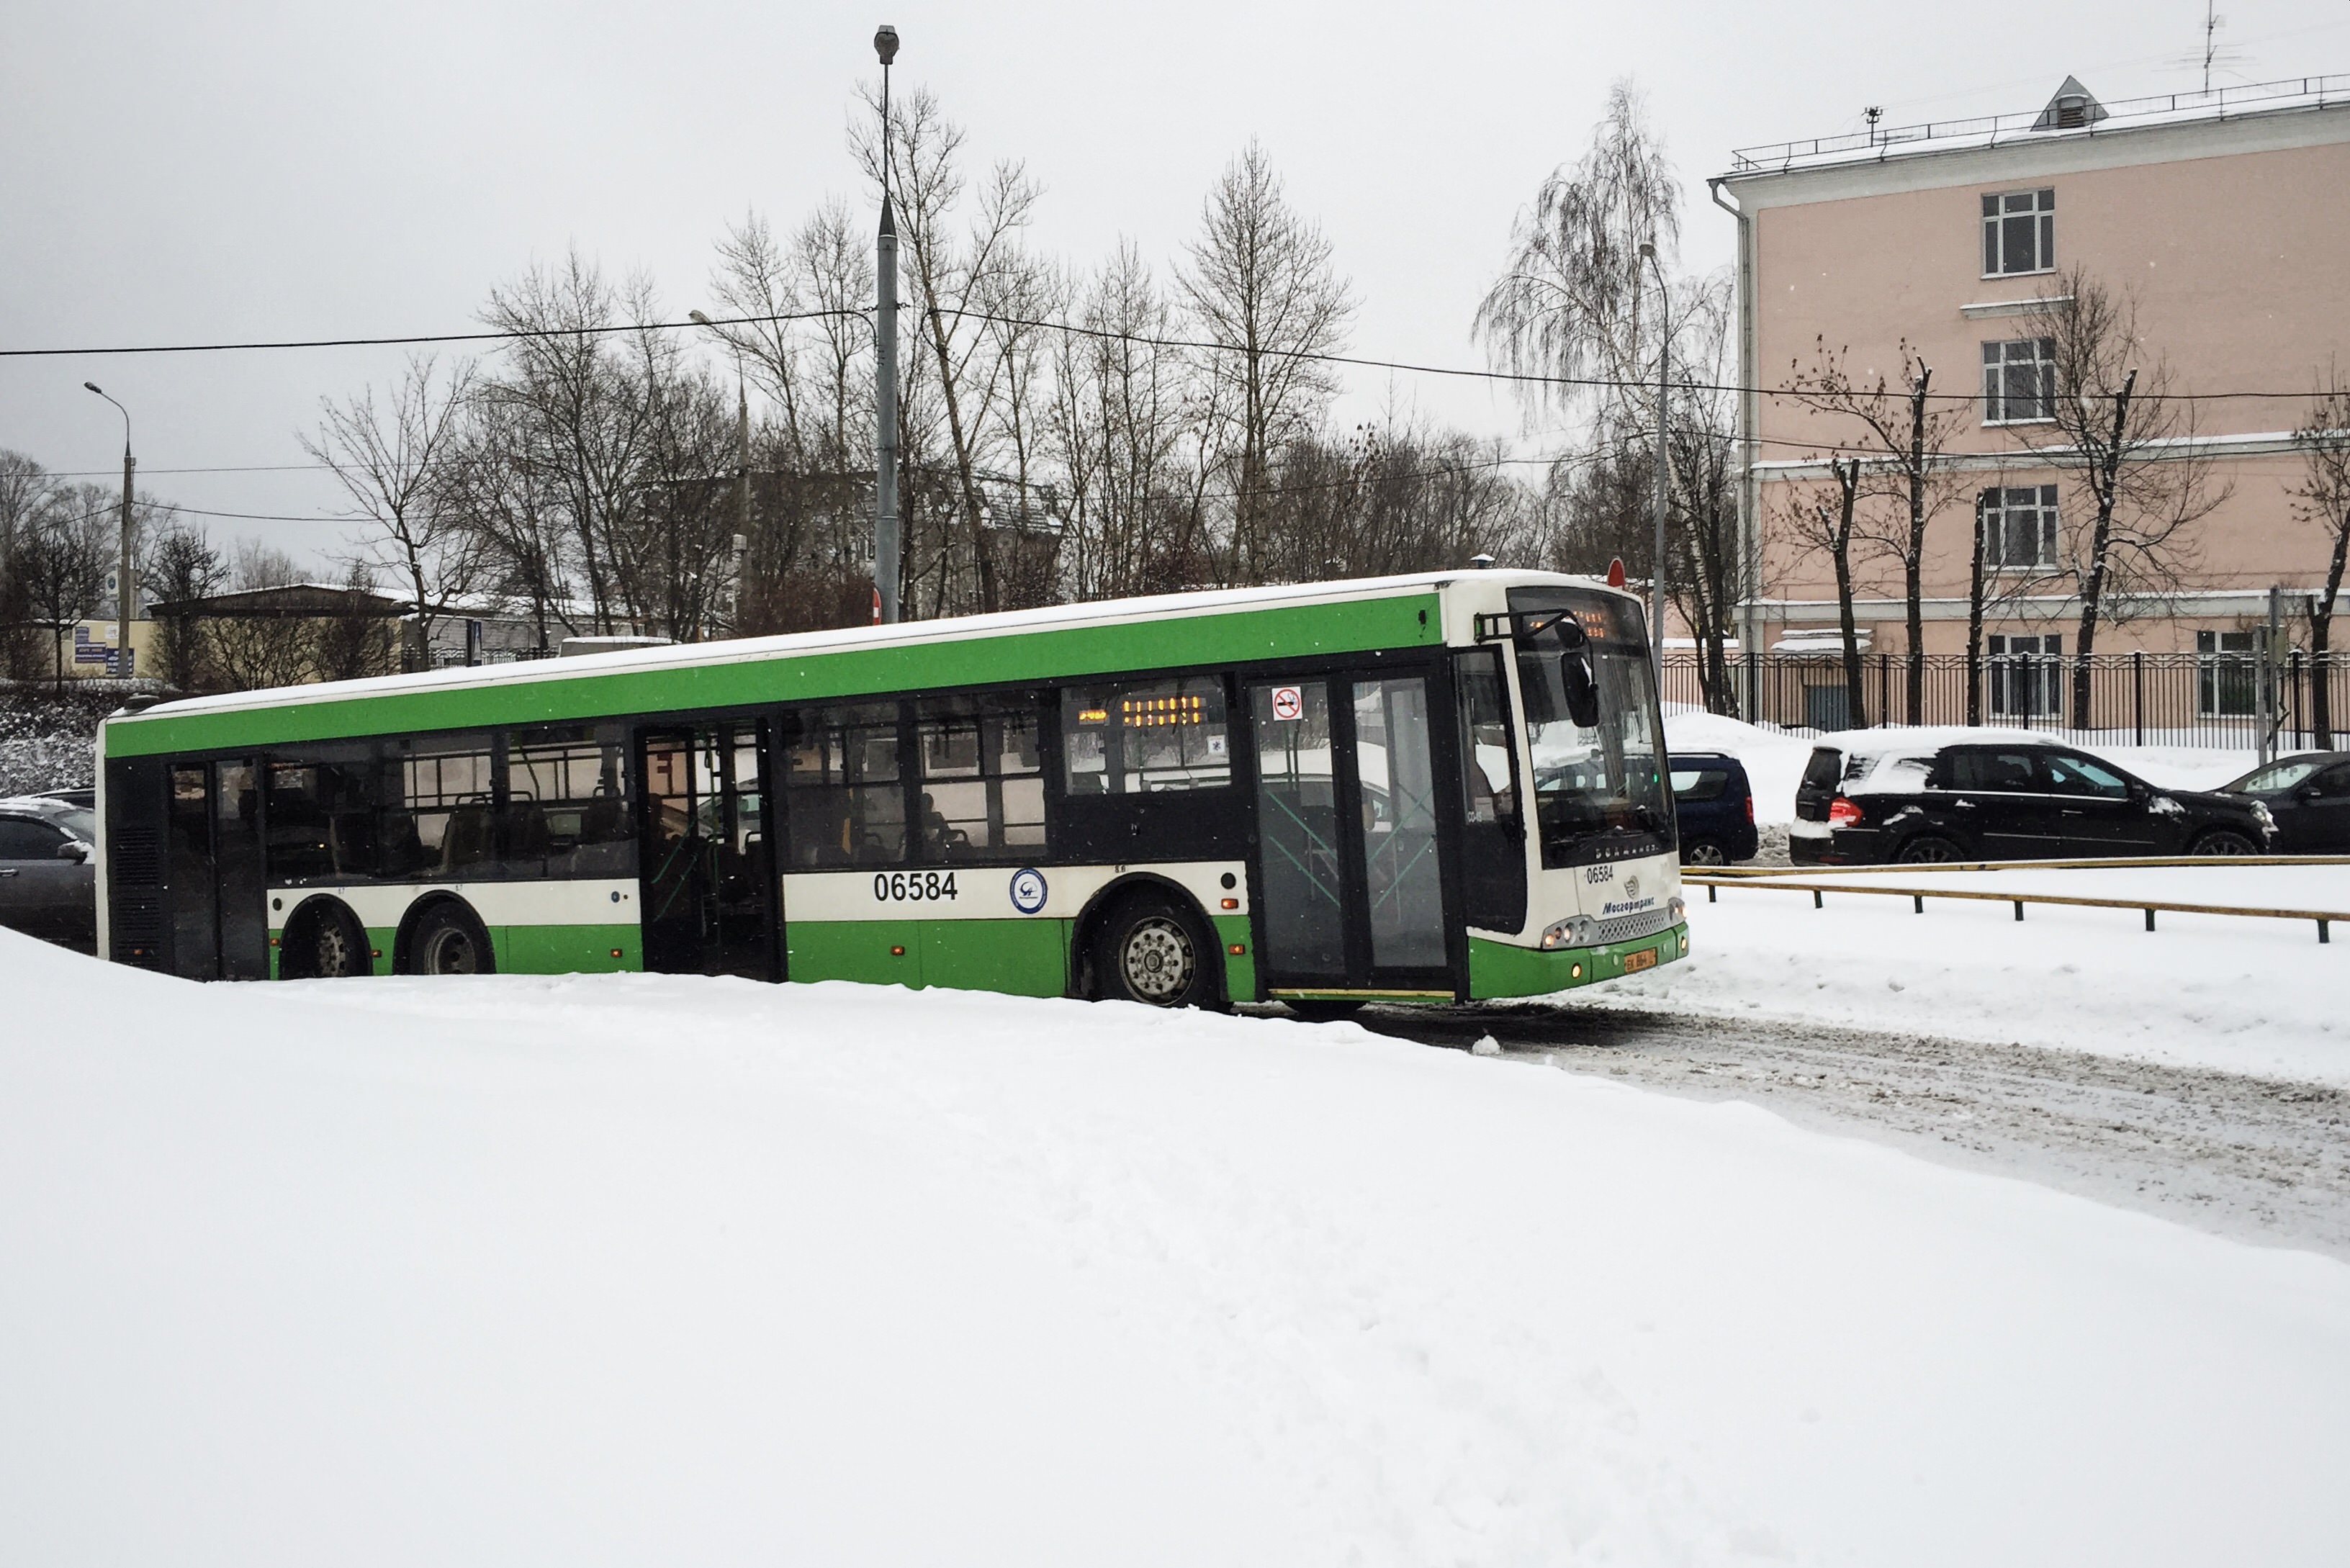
(1497, 969)
(1232, 637)
(1023, 957)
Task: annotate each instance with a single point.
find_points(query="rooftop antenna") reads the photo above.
(1872, 114)
(2210, 38)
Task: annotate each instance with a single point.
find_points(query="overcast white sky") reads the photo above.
(176, 173)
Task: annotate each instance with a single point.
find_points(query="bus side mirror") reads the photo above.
(1582, 691)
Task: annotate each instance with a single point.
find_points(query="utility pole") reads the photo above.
(741, 468)
(885, 379)
(125, 594)
(1664, 466)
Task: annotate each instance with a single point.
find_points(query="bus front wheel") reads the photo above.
(1153, 952)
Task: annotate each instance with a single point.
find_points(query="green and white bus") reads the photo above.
(1428, 788)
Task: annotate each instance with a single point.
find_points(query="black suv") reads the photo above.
(1915, 800)
(1714, 806)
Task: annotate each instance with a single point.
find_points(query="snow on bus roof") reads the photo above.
(840, 639)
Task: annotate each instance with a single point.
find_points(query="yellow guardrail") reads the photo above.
(1714, 883)
(1934, 866)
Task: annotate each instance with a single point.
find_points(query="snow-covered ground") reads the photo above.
(1775, 759)
(636, 1268)
(2259, 996)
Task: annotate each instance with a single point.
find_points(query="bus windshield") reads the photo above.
(1604, 783)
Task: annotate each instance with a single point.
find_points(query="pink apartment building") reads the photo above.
(2225, 217)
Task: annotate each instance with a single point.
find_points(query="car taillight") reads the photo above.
(1750, 809)
(1842, 812)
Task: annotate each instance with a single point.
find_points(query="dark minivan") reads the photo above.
(1914, 800)
(1714, 807)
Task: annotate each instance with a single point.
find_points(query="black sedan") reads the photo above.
(2309, 796)
(48, 885)
(1915, 801)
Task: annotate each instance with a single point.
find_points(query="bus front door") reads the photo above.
(707, 883)
(1351, 893)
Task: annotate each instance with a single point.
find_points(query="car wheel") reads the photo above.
(2225, 841)
(1703, 852)
(448, 940)
(1152, 951)
(1926, 849)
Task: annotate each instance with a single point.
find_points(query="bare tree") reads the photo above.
(356, 641)
(580, 427)
(24, 488)
(265, 649)
(398, 462)
(2323, 497)
(1825, 521)
(1261, 283)
(182, 565)
(1567, 305)
(62, 552)
(960, 278)
(1906, 436)
(2131, 446)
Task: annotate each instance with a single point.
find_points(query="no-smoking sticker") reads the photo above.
(1287, 702)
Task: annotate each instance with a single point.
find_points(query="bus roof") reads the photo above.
(1098, 637)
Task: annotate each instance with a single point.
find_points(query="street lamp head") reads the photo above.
(885, 43)
(697, 318)
(94, 386)
(1648, 251)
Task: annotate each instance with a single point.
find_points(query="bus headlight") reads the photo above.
(1678, 908)
(1572, 933)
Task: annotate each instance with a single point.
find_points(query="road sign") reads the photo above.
(1287, 702)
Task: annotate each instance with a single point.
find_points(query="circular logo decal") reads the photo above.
(1027, 890)
(1631, 886)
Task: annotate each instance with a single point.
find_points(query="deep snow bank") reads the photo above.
(634, 1269)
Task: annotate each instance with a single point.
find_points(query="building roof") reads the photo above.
(2072, 113)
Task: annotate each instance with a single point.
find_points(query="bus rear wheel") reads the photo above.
(448, 940)
(1152, 951)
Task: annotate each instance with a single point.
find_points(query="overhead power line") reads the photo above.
(1512, 378)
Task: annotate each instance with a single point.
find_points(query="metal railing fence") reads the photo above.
(2215, 700)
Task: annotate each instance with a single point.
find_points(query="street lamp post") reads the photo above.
(1664, 465)
(885, 380)
(125, 595)
(742, 467)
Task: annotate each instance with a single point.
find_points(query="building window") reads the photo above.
(2223, 673)
(2019, 380)
(2019, 526)
(2019, 233)
(2026, 674)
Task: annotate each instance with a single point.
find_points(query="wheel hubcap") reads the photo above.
(1705, 855)
(1158, 961)
(450, 952)
(333, 951)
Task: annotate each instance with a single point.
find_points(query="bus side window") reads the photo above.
(1488, 794)
(567, 804)
(844, 794)
(983, 786)
(1142, 737)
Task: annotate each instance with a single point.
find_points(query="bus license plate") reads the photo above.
(1645, 959)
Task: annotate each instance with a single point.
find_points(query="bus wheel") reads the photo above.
(324, 941)
(1151, 951)
(337, 946)
(448, 940)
